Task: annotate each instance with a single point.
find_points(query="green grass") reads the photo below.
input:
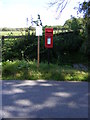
(7, 33)
(23, 70)
(17, 33)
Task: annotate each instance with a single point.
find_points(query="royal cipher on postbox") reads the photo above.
(48, 37)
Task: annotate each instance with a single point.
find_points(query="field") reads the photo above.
(13, 33)
(7, 33)
(18, 33)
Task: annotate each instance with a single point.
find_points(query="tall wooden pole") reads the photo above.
(38, 52)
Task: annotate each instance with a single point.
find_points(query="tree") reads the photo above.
(60, 5)
(85, 9)
(75, 24)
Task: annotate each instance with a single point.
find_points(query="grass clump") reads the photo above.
(14, 70)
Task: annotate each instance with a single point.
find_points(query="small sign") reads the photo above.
(48, 41)
(38, 30)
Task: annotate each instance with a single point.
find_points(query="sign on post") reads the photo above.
(38, 30)
(38, 22)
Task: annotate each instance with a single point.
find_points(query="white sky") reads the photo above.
(13, 13)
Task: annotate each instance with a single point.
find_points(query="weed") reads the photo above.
(28, 70)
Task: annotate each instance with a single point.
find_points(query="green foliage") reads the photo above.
(13, 70)
(65, 45)
(85, 9)
(75, 24)
(12, 49)
(82, 39)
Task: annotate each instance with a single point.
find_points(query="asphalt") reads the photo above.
(44, 99)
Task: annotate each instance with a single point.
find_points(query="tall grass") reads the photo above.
(14, 70)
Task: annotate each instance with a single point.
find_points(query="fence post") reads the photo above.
(2, 39)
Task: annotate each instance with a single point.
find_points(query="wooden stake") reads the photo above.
(38, 53)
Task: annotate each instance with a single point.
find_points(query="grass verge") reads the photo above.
(23, 70)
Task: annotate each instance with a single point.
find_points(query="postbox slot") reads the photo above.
(49, 30)
(48, 34)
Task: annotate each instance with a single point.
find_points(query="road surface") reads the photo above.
(44, 99)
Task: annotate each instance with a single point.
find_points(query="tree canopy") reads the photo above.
(74, 24)
(60, 5)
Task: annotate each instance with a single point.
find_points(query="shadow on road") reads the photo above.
(44, 99)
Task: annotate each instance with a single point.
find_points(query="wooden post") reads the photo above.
(38, 52)
(2, 40)
(48, 56)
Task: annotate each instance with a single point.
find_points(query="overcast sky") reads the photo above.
(13, 13)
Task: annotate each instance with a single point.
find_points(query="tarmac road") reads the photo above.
(44, 99)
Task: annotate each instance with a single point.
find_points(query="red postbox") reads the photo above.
(49, 37)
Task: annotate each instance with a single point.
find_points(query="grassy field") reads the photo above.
(14, 33)
(6, 33)
(14, 70)
(18, 33)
